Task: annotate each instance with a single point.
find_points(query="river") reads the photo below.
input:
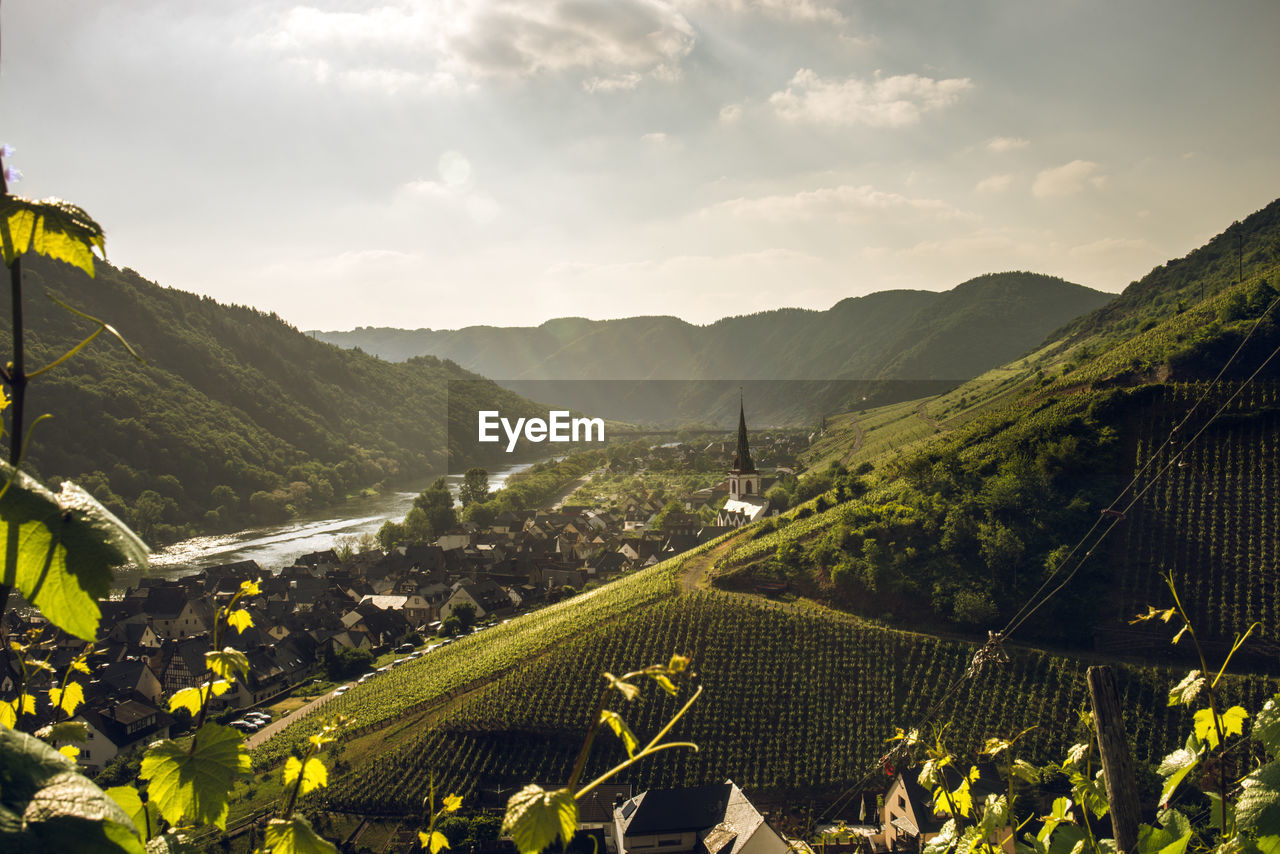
(277, 546)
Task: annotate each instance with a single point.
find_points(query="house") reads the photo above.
(118, 725)
(910, 819)
(714, 819)
(172, 614)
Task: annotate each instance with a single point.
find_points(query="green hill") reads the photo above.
(235, 418)
(799, 363)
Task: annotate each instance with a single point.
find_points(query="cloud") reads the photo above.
(730, 113)
(887, 102)
(1001, 144)
(844, 203)
(1068, 179)
(995, 184)
(611, 45)
(794, 10)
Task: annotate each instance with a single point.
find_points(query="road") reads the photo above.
(258, 738)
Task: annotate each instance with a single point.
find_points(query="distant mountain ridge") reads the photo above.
(902, 335)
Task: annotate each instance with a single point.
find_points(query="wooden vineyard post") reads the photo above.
(1117, 766)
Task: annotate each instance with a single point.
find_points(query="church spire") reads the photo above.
(742, 459)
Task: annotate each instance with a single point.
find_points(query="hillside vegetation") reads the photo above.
(235, 417)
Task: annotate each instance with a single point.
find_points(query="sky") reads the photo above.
(445, 163)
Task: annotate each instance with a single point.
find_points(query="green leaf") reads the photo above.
(53, 228)
(65, 546)
(140, 814)
(239, 620)
(627, 689)
(296, 836)
(1258, 808)
(451, 804)
(435, 842)
(47, 805)
(195, 786)
(1174, 769)
(314, 773)
(67, 700)
(1061, 814)
(536, 817)
(1026, 772)
(666, 684)
(227, 663)
(621, 730)
(1186, 691)
(943, 842)
(1090, 794)
(1233, 720)
(1266, 726)
(65, 731)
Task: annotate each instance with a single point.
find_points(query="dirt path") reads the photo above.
(695, 575)
(928, 419)
(858, 435)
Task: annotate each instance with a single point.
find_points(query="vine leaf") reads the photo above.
(47, 805)
(1266, 726)
(59, 550)
(1186, 691)
(142, 815)
(196, 785)
(435, 842)
(536, 817)
(67, 699)
(296, 836)
(1258, 808)
(621, 730)
(53, 228)
(1175, 767)
(314, 774)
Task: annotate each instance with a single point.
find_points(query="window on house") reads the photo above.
(85, 754)
(902, 802)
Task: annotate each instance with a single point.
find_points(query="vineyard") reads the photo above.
(793, 700)
(425, 681)
(1211, 520)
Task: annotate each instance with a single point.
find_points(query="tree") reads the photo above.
(475, 487)
(436, 502)
(466, 614)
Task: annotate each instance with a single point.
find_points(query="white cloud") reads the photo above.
(890, 102)
(1068, 179)
(612, 44)
(795, 10)
(995, 184)
(1001, 144)
(844, 203)
(730, 113)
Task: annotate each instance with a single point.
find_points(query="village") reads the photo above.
(310, 617)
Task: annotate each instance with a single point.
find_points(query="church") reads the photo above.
(746, 504)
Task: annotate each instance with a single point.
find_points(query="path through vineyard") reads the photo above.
(696, 574)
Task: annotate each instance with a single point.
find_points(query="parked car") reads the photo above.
(342, 690)
(405, 647)
(366, 677)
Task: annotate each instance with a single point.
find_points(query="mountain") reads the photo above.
(945, 518)
(800, 363)
(235, 417)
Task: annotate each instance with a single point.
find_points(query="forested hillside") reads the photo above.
(235, 416)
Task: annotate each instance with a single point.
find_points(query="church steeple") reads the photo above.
(742, 459)
(744, 480)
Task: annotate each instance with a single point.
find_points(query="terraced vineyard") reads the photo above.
(793, 700)
(429, 680)
(1211, 520)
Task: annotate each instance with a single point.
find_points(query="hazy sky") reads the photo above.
(452, 162)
